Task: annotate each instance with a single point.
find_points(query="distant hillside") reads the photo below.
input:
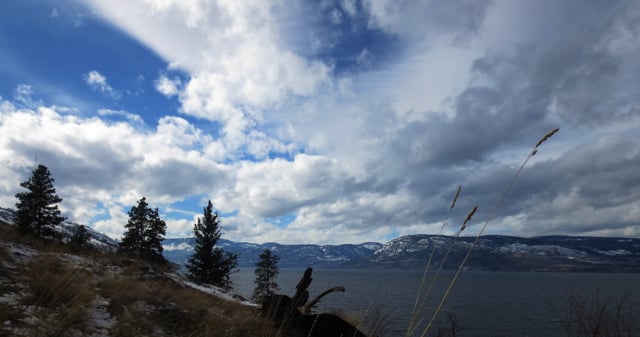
(50, 289)
(493, 252)
(291, 256)
(509, 253)
(99, 241)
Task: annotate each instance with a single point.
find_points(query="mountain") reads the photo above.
(509, 253)
(66, 230)
(291, 256)
(491, 253)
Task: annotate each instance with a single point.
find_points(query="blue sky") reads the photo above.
(327, 121)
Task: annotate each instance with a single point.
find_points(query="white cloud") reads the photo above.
(23, 96)
(113, 164)
(180, 246)
(167, 86)
(98, 82)
(372, 148)
(233, 51)
(349, 6)
(122, 113)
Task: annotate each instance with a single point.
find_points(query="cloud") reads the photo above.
(429, 19)
(98, 82)
(167, 86)
(121, 113)
(96, 162)
(304, 130)
(23, 96)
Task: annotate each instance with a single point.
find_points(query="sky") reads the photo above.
(327, 122)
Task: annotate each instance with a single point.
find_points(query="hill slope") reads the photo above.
(291, 256)
(48, 289)
(508, 253)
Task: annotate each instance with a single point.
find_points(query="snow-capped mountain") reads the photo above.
(67, 229)
(491, 252)
(291, 256)
(6, 216)
(508, 253)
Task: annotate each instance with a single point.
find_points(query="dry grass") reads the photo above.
(414, 322)
(598, 316)
(57, 292)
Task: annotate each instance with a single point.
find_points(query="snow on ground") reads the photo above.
(208, 289)
(100, 319)
(20, 253)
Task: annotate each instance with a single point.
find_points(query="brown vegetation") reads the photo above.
(49, 291)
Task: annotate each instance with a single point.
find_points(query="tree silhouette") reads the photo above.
(144, 233)
(38, 211)
(80, 238)
(209, 264)
(266, 272)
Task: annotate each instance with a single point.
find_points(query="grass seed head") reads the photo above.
(546, 136)
(469, 216)
(455, 198)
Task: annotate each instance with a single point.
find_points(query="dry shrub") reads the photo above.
(54, 283)
(602, 317)
(142, 306)
(62, 291)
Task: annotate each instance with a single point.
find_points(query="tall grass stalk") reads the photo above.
(442, 263)
(418, 303)
(484, 226)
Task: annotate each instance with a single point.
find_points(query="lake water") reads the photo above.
(485, 304)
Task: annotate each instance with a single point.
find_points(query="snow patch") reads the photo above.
(100, 318)
(614, 252)
(208, 289)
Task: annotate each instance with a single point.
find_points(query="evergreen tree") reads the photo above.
(144, 232)
(80, 238)
(266, 273)
(38, 211)
(229, 266)
(209, 264)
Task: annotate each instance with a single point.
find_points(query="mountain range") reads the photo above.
(490, 253)
(291, 256)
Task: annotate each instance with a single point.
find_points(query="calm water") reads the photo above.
(485, 304)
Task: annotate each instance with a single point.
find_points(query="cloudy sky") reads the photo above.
(327, 121)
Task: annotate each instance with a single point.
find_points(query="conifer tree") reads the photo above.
(209, 264)
(229, 266)
(266, 272)
(80, 238)
(144, 232)
(38, 211)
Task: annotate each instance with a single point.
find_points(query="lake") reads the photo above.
(484, 304)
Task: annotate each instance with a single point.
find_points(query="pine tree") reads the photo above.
(80, 238)
(38, 211)
(229, 266)
(144, 232)
(266, 273)
(209, 264)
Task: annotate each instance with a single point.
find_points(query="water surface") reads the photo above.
(484, 304)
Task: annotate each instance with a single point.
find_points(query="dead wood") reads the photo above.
(296, 312)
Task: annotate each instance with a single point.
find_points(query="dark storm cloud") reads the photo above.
(569, 79)
(512, 94)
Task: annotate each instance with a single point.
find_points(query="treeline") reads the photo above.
(38, 214)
